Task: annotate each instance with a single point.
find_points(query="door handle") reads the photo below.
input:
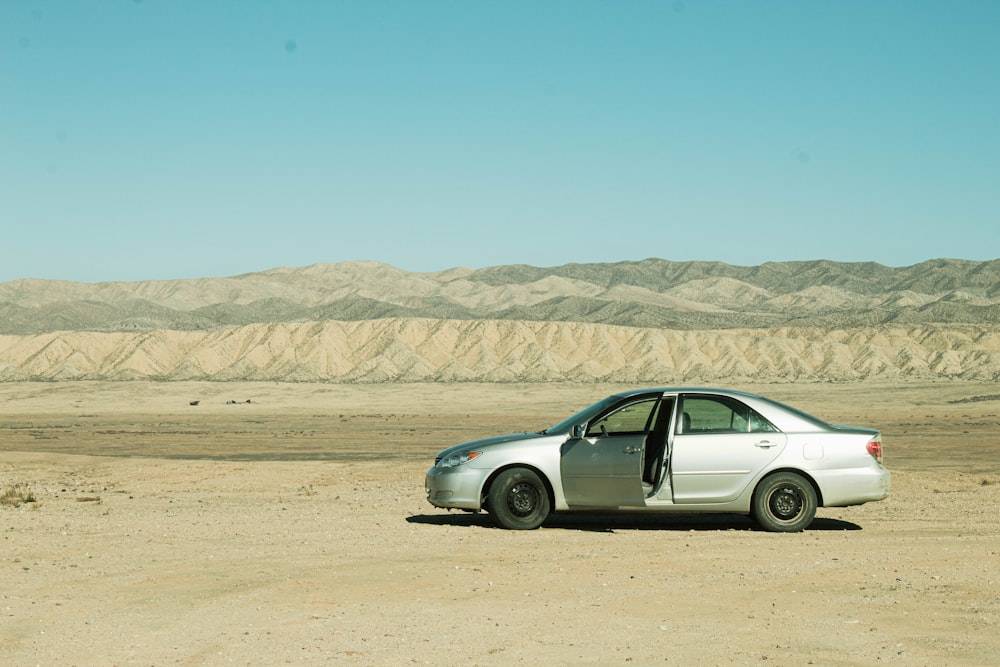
(765, 444)
(632, 450)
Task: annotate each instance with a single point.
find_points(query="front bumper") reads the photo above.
(458, 487)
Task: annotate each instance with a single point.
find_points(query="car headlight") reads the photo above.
(457, 459)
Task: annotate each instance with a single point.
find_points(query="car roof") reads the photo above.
(687, 390)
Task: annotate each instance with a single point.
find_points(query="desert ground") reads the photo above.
(277, 523)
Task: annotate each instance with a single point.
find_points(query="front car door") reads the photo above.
(604, 467)
(719, 445)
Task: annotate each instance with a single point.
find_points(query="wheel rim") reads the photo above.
(522, 499)
(785, 503)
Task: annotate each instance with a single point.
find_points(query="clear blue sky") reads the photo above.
(172, 139)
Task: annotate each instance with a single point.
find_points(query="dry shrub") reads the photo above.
(17, 494)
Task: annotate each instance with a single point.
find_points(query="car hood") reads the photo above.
(487, 442)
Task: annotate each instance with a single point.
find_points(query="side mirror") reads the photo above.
(578, 431)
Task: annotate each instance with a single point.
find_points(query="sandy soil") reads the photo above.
(293, 529)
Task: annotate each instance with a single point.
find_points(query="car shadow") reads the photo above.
(609, 523)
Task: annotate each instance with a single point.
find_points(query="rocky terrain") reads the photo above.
(648, 321)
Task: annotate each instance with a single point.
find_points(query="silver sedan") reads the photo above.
(667, 450)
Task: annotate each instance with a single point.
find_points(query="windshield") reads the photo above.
(582, 417)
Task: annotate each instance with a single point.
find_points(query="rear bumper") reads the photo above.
(841, 488)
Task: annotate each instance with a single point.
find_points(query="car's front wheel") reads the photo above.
(784, 502)
(518, 499)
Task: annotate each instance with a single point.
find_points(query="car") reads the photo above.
(667, 450)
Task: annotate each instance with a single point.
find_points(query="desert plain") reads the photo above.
(285, 523)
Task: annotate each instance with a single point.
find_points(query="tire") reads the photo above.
(518, 499)
(784, 503)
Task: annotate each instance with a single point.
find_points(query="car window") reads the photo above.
(760, 425)
(720, 414)
(631, 419)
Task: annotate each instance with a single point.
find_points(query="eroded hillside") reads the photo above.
(649, 322)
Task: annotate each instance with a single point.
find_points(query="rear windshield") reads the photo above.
(804, 416)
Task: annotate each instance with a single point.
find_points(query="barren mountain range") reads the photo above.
(652, 321)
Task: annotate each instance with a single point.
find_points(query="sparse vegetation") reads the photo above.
(977, 399)
(16, 495)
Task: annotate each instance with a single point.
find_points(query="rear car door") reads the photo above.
(604, 467)
(719, 445)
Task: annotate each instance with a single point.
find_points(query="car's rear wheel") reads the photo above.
(784, 502)
(518, 499)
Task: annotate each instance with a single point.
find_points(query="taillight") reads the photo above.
(875, 449)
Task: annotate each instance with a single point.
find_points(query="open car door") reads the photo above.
(604, 467)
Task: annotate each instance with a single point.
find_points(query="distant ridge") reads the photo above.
(649, 322)
(649, 293)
